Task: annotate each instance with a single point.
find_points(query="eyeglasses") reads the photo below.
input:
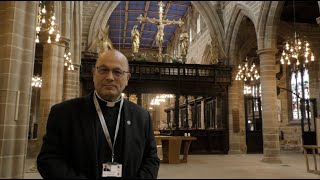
(117, 73)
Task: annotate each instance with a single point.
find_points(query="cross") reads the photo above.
(160, 22)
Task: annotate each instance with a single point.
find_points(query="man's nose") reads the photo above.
(109, 75)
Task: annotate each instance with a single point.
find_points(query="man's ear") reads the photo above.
(128, 76)
(93, 71)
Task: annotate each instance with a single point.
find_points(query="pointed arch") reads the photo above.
(238, 13)
(100, 19)
(207, 55)
(268, 20)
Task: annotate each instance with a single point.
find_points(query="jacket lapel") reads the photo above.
(87, 117)
(127, 129)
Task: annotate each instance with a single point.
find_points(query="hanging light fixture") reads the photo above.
(46, 24)
(67, 59)
(36, 82)
(247, 71)
(296, 51)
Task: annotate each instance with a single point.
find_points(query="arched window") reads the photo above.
(296, 88)
(198, 24)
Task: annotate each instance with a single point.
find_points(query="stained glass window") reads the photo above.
(296, 88)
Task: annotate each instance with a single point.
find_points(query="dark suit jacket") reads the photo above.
(69, 146)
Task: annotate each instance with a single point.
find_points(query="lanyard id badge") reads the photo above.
(111, 170)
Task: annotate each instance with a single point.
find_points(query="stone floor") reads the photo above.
(233, 166)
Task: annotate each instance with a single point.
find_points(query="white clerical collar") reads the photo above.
(109, 103)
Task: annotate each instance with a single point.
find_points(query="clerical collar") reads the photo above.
(109, 103)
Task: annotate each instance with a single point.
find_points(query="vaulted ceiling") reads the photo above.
(124, 17)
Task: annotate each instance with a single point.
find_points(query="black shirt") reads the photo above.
(104, 152)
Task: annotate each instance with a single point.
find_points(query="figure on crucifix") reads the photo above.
(160, 34)
(161, 22)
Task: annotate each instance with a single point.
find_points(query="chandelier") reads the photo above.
(67, 59)
(296, 51)
(36, 82)
(247, 71)
(160, 98)
(46, 24)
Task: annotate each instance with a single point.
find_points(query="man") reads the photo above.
(101, 129)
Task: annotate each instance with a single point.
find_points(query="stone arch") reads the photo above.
(238, 13)
(207, 55)
(205, 8)
(212, 20)
(100, 19)
(267, 24)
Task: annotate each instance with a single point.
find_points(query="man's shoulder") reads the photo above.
(75, 102)
(136, 107)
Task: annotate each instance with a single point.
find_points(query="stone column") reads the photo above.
(270, 126)
(17, 42)
(237, 139)
(72, 28)
(71, 83)
(52, 86)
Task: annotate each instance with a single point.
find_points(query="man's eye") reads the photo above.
(103, 70)
(118, 72)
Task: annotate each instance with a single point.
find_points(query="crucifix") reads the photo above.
(160, 22)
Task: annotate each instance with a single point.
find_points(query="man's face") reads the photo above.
(111, 75)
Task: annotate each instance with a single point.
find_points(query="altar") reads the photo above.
(171, 148)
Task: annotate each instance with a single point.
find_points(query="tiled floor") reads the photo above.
(233, 166)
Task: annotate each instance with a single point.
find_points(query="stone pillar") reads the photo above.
(270, 126)
(52, 86)
(17, 35)
(72, 28)
(237, 139)
(71, 82)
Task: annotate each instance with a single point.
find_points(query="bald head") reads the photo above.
(115, 55)
(111, 74)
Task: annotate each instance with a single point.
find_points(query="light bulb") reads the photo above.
(49, 39)
(44, 10)
(37, 39)
(38, 29)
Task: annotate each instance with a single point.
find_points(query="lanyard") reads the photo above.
(104, 125)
